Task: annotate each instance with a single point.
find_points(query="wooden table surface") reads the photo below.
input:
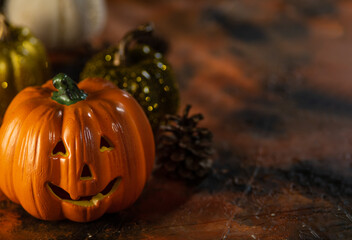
(273, 80)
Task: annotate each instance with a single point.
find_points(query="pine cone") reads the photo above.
(183, 149)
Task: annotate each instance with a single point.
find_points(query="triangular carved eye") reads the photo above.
(60, 149)
(105, 144)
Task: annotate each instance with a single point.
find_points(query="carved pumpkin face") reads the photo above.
(75, 161)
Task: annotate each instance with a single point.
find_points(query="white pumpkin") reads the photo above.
(59, 23)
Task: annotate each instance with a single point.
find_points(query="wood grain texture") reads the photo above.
(272, 80)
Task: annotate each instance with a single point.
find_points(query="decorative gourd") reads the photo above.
(59, 23)
(140, 70)
(23, 62)
(74, 153)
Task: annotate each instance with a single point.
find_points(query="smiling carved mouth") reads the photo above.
(84, 201)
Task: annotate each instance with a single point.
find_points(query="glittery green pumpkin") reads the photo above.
(141, 71)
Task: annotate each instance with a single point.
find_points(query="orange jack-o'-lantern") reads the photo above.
(74, 153)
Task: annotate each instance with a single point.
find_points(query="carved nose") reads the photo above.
(86, 173)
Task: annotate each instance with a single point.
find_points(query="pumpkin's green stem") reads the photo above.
(4, 32)
(68, 92)
(141, 31)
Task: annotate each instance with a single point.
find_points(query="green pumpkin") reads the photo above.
(23, 62)
(141, 71)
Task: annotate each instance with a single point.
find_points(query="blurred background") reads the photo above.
(272, 79)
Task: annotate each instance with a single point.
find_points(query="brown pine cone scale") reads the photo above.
(183, 149)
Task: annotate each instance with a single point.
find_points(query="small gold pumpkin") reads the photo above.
(23, 62)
